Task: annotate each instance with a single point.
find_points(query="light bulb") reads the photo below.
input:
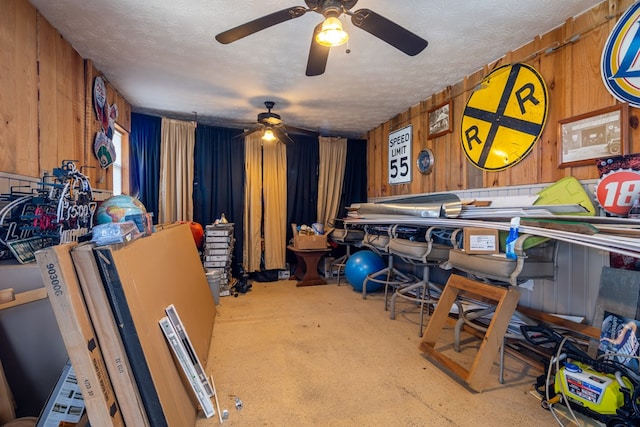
(268, 135)
(332, 33)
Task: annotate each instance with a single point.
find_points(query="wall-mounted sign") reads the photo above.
(618, 65)
(504, 117)
(400, 156)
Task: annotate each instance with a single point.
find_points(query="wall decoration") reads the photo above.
(589, 136)
(618, 63)
(504, 117)
(399, 155)
(100, 104)
(104, 150)
(425, 161)
(107, 115)
(440, 122)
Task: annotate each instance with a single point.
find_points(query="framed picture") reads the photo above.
(600, 133)
(439, 120)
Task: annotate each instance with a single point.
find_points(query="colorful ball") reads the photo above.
(116, 208)
(359, 266)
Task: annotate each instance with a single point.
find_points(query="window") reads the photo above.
(120, 167)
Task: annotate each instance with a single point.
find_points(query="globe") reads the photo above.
(116, 208)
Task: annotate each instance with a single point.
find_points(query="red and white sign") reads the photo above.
(616, 191)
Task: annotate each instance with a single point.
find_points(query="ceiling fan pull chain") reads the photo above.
(345, 25)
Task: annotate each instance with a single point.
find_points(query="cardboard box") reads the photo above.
(309, 241)
(142, 278)
(104, 323)
(478, 240)
(59, 277)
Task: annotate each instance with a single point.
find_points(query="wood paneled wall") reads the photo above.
(46, 98)
(574, 83)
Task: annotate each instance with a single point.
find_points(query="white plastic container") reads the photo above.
(213, 278)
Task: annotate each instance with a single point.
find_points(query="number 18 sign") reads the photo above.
(400, 156)
(616, 190)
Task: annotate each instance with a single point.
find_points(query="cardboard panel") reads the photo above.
(142, 278)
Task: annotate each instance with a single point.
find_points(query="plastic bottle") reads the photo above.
(634, 212)
(512, 237)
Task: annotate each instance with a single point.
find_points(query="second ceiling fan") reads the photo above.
(365, 19)
(272, 127)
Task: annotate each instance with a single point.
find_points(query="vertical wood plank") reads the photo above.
(18, 88)
(550, 66)
(48, 106)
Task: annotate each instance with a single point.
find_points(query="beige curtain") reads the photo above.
(176, 171)
(275, 204)
(265, 203)
(333, 157)
(253, 203)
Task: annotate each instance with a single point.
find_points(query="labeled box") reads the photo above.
(478, 240)
(68, 304)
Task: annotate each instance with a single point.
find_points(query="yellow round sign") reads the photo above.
(504, 117)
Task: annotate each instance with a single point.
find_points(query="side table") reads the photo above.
(307, 268)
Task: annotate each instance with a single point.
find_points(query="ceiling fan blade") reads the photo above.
(301, 131)
(389, 31)
(259, 24)
(318, 55)
(283, 137)
(247, 133)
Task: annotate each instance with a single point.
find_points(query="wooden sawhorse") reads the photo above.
(507, 300)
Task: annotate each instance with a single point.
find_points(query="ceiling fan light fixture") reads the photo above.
(332, 33)
(268, 135)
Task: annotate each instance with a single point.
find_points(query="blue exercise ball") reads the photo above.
(359, 266)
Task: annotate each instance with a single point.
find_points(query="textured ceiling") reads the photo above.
(163, 58)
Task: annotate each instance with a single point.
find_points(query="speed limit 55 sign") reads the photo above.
(400, 156)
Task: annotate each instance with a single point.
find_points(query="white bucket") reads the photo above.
(214, 278)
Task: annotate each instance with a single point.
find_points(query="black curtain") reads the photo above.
(219, 175)
(144, 162)
(303, 158)
(354, 187)
(218, 183)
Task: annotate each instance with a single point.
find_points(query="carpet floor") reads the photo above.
(323, 356)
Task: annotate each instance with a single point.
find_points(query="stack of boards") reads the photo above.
(117, 308)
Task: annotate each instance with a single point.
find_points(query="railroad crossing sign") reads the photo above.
(504, 117)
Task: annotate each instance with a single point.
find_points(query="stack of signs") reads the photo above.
(103, 146)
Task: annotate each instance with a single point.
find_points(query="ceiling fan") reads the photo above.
(366, 19)
(272, 127)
